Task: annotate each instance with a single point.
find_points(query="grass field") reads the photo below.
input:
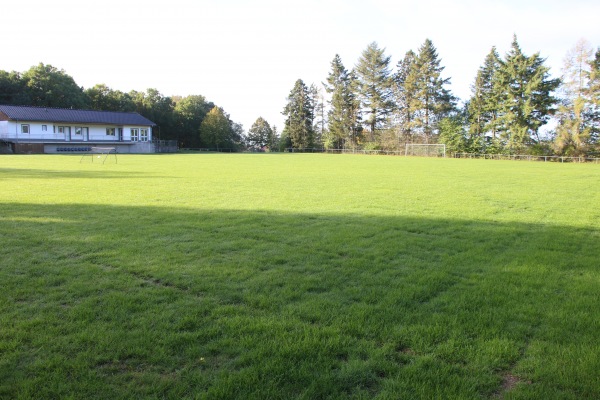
(298, 276)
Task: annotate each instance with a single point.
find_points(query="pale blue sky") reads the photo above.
(246, 55)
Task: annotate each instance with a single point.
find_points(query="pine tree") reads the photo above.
(526, 102)
(375, 87)
(405, 90)
(274, 139)
(319, 120)
(483, 106)
(433, 100)
(593, 90)
(341, 123)
(299, 112)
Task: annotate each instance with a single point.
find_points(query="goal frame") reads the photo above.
(429, 152)
(102, 152)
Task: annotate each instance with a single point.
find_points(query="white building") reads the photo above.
(55, 130)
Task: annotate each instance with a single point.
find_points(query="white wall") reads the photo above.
(81, 148)
(12, 130)
(3, 129)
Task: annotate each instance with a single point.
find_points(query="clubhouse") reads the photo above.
(25, 129)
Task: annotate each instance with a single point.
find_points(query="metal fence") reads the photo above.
(513, 157)
(360, 151)
(165, 146)
(207, 150)
(527, 157)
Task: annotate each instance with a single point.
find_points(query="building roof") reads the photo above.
(26, 113)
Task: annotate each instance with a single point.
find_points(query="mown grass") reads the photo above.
(298, 276)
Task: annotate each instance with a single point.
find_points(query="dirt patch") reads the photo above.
(408, 351)
(509, 382)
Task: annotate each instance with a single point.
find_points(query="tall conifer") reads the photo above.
(433, 100)
(299, 112)
(527, 101)
(483, 106)
(375, 87)
(405, 91)
(343, 105)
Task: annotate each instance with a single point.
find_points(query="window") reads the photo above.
(110, 131)
(44, 128)
(77, 131)
(24, 128)
(61, 129)
(143, 135)
(135, 134)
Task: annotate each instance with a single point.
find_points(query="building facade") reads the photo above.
(26, 129)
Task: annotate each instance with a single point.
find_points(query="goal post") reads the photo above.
(425, 150)
(101, 154)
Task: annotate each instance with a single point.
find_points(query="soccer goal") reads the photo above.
(425, 150)
(101, 154)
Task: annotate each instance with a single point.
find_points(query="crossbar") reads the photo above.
(102, 152)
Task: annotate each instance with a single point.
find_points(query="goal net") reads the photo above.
(425, 150)
(101, 154)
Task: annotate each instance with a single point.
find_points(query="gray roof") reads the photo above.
(25, 113)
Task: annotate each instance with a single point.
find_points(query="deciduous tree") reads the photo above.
(157, 108)
(574, 130)
(48, 86)
(11, 88)
(189, 112)
(216, 130)
(260, 134)
(103, 98)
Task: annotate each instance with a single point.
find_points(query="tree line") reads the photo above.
(192, 120)
(373, 106)
(515, 106)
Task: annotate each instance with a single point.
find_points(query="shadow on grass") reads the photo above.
(106, 302)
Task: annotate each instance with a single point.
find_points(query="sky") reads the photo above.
(245, 56)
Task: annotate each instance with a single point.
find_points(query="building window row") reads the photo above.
(137, 134)
(82, 131)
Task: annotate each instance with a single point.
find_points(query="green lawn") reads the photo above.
(284, 276)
